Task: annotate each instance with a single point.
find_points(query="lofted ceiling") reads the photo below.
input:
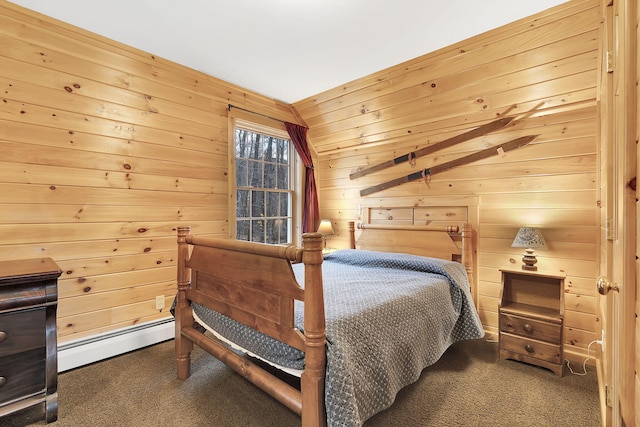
(288, 49)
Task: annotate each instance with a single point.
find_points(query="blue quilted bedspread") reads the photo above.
(388, 317)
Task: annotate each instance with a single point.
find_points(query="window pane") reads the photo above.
(242, 230)
(284, 204)
(255, 174)
(241, 173)
(242, 204)
(270, 175)
(242, 143)
(284, 231)
(283, 151)
(283, 177)
(257, 230)
(273, 204)
(273, 231)
(270, 149)
(257, 204)
(255, 151)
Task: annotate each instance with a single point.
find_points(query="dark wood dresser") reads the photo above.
(531, 316)
(28, 341)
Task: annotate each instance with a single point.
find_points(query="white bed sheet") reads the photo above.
(290, 371)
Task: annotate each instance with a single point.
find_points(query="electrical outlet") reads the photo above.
(159, 302)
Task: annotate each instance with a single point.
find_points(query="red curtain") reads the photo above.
(310, 217)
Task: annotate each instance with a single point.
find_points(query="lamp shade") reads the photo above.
(325, 227)
(529, 237)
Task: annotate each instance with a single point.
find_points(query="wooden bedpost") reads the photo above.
(467, 255)
(183, 315)
(352, 234)
(312, 379)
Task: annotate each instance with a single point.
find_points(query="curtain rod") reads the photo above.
(253, 112)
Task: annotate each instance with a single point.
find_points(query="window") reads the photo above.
(264, 178)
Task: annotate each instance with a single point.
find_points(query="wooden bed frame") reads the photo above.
(254, 284)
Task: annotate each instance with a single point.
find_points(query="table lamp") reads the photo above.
(325, 229)
(531, 239)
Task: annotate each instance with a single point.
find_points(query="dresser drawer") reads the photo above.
(22, 374)
(532, 348)
(22, 330)
(545, 331)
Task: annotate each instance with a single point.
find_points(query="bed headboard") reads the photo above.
(452, 242)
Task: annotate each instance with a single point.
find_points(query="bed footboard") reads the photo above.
(254, 284)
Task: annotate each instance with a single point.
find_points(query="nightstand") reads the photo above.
(28, 342)
(531, 314)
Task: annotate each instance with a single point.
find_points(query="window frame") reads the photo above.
(263, 125)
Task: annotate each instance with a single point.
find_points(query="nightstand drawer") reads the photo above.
(530, 347)
(22, 374)
(531, 328)
(22, 330)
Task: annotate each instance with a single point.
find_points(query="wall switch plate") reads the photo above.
(159, 302)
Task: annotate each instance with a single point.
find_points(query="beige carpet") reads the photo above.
(469, 386)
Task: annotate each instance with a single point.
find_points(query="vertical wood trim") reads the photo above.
(619, 119)
(635, 402)
(231, 173)
(606, 196)
(626, 125)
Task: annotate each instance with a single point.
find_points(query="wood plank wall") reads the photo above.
(105, 150)
(545, 63)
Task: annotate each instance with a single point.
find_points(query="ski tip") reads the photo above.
(526, 138)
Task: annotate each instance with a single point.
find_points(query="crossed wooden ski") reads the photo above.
(479, 155)
(466, 136)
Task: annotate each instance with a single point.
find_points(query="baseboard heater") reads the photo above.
(82, 352)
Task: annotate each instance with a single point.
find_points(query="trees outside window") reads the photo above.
(263, 171)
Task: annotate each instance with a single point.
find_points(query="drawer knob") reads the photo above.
(3, 381)
(3, 336)
(527, 328)
(529, 348)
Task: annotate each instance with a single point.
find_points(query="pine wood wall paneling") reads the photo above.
(90, 49)
(17, 213)
(553, 183)
(108, 305)
(314, 105)
(473, 61)
(68, 250)
(92, 267)
(574, 124)
(106, 149)
(448, 88)
(93, 323)
(570, 137)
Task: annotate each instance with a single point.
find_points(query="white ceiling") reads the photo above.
(288, 49)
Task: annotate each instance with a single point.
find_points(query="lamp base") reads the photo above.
(529, 260)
